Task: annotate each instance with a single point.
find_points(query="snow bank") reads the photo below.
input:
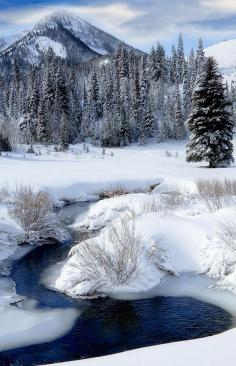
(117, 260)
(10, 233)
(176, 244)
(104, 211)
(184, 244)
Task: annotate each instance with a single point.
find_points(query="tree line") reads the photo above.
(113, 101)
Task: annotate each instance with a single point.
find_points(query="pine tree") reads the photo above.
(64, 143)
(41, 129)
(210, 123)
(2, 98)
(4, 143)
(173, 65)
(32, 107)
(179, 118)
(200, 56)
(180, 60)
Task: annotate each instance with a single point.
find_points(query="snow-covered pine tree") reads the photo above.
(4, 143)
(135, 111)
(200, 56)
(64, 138)
(179, 127)
(187, 92)
(41, 129)
(85, 116)
(164, 126)
(210, 123)
(146, 121)
(61, 109)
(233, 101)
(180, 60)
(173, 63)
(33, 105)
(2, 98)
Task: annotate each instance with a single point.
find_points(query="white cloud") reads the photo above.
(113, 14)
(219, 5)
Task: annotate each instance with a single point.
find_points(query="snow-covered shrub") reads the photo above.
(153, 204)
(116, 259)
(116, 190)
(173, 199)
(215, 193)
(34, 212)
(171, 154)
(4, 194)
(168, 154)
(227, 234)
(163, 204)
(116, 263)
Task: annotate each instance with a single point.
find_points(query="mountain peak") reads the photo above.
(70, 36)
(60, 16)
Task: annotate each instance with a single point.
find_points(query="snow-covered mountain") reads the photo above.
(6, 41)
(69, 36)
(225, 54)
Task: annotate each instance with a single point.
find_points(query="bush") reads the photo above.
(227, 234)
(34, 212)
(216, 194)
(113, 191)
(4, 194)
(168, 154)
(164, 204)
(117, 257)
(116, 263)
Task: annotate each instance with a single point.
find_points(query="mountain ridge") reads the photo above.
(70, 36)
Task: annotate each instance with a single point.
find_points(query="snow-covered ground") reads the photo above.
(10, 233)
(78, 175)
(186, 234)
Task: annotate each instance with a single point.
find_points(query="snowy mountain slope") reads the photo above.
(6, 41)
(225, 54)
(70, 37)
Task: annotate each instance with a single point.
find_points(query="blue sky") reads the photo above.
(138, 22)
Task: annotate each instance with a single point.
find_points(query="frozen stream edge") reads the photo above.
(24, 325)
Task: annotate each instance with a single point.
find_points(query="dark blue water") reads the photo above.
(108, 326)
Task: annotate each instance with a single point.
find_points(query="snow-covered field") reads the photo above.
(78, 175)
(186, 233)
